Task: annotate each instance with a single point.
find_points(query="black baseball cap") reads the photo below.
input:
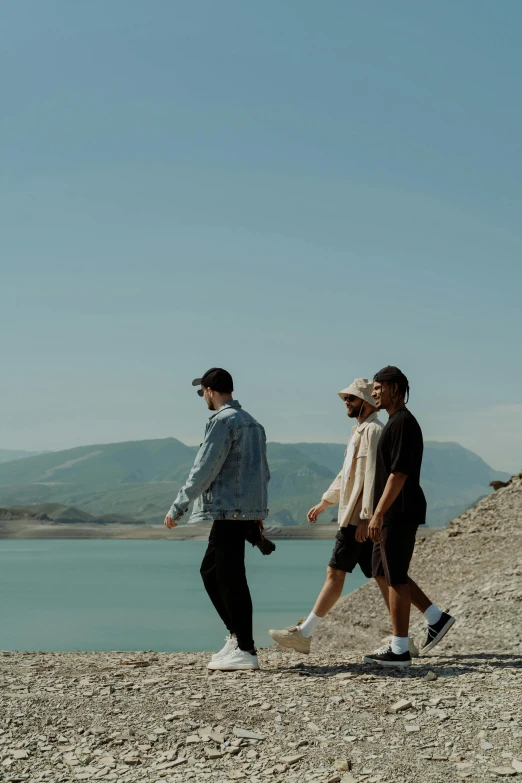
(217, 379)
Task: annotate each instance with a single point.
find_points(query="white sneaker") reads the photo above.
(230, 644)
(236, 660)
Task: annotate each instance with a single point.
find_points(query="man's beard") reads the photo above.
(355, 412)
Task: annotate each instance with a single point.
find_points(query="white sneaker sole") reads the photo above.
(390, 664)
(233, 667)
(441, 634)
(289, 645)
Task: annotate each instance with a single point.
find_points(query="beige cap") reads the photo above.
(362, 388)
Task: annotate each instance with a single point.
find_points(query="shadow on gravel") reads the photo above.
(443, 666)
(355, 670)
(478, 660)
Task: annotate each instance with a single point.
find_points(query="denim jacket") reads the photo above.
(229, 478)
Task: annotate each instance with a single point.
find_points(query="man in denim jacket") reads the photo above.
(229, 483)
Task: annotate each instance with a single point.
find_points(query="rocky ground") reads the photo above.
(148, 717)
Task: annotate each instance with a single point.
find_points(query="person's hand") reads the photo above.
(375, 528)
(261, 526)
(361, 533)
(316, 510)
(169, 522)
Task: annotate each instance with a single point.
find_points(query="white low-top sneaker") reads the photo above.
(230, 644)
(235, 660)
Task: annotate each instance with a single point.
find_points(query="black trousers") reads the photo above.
(224, 576)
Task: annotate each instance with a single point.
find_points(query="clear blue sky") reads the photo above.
(301, 192)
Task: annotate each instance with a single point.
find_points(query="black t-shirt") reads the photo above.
(400, 451)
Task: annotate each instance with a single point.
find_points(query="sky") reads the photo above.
(300, 192)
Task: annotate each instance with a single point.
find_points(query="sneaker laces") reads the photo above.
(230, 653)
(384, 649)
(236, 650)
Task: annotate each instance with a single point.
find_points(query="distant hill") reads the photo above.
(138, 480)
(113, 463)
(55, 512)
(453, 478)
(7, 455)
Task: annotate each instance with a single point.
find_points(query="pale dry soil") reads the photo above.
(147, 717)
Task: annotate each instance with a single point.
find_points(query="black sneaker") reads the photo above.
(434, 633)
(385, 657)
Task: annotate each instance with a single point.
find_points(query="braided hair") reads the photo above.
(393, 376)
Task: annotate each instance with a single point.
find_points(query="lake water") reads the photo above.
(144, 595)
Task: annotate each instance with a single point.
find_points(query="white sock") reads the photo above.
(399, 645)
(309, 625)
(432, 614)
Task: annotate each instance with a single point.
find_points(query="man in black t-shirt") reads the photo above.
(400, 507)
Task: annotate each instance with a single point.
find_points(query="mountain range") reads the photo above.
(138, 480)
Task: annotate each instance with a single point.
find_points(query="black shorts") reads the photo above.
(392, 555)
(348, 552)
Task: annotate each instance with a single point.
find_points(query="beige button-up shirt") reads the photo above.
(353, 487)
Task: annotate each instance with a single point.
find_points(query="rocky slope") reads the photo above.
(152, 718)
(473, 567)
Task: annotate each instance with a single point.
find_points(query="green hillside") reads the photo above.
(113, 463)
(104, 479)
(331, 455)
(139, 480)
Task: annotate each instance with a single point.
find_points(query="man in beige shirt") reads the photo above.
(353, 491)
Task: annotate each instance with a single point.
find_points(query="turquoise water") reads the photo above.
(144, 595)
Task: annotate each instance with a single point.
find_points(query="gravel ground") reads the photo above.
(148, 717)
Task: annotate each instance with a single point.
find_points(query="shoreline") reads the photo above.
(22, 529)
